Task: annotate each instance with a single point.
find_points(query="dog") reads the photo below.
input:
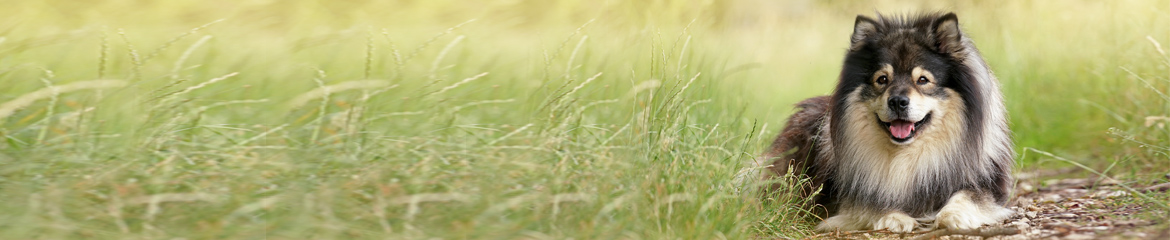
(914, 136)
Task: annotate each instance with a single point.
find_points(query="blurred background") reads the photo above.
(781, 51)
(324, 119)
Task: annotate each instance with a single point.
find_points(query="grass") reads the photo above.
(495, 119)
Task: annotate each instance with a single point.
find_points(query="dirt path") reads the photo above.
(1085, 209)
(1067, 208)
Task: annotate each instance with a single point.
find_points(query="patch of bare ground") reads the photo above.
(1064, 208)
(1081, 208)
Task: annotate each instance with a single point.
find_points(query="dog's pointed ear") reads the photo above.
(863, 28)
(948, 39)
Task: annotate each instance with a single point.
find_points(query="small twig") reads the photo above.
(843, 234)
(1045, 173)
(981, 232)
(1158, 188)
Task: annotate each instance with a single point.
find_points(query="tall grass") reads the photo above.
(492, 119)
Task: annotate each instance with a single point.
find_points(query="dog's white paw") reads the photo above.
(957, 219)
(896, 222)
(963, 213)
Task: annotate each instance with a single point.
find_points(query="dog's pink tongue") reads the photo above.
(901, 129)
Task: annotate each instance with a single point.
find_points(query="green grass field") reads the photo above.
(495, 119)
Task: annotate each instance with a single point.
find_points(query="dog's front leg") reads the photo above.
(966, 212)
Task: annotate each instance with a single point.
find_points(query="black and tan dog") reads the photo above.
(916, 129)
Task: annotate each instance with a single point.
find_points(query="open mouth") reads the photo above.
(901, 131)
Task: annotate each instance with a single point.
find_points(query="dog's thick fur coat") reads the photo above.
(915, 130)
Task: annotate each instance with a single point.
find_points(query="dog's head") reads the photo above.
(905, 73)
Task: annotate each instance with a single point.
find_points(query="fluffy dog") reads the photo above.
(916, 130)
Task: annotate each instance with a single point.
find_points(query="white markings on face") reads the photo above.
(920, 105)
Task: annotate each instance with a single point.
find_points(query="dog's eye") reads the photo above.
(883, 80)
(922, 80)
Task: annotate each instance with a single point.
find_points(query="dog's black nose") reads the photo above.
(899, 103)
